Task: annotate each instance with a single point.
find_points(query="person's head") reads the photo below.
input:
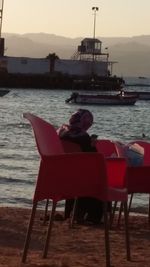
(82, 119)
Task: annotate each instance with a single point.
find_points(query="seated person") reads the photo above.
(133, 152)
(88, 209)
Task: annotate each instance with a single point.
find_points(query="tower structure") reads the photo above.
(1, 20)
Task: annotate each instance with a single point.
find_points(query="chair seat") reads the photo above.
(117, 194)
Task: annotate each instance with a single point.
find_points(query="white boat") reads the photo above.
(102, 99)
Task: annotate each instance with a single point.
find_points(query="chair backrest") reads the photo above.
(119, 149)
(47, 140)
(70, 147)
(146, 146)
(106, 147)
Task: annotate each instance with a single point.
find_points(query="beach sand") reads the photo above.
(82, 246)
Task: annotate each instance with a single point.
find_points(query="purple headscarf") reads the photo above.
(79, 123)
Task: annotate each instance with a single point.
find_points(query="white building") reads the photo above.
(87, 60)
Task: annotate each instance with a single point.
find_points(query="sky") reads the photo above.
(75, 18)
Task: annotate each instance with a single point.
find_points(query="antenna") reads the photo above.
(95, 9)
(1, 16)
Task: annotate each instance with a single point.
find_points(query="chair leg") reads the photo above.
(106, 225)
(121, 208)
(149, 210)
(113, 213)
(46, 210)
(110, 209)
(73, 212)
(126, 215)
(28, 235)
(130, 202)
(49, 229)
(120, 213)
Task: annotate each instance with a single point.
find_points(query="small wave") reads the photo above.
(11, 167)
(4, 180)
(18, 125)
(16, 202)
(27, 203)
(19, 157)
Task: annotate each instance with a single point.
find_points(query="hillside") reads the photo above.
(131, 53)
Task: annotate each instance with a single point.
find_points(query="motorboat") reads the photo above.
(102, 99)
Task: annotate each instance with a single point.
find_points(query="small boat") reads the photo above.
(3, 92)
(142, 77)
(102, 99)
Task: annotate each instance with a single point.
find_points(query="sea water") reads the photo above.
(19, 160)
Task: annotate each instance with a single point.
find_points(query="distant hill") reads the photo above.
(131, 53)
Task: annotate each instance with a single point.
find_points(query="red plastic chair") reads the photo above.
(139, 177)
(70, 175)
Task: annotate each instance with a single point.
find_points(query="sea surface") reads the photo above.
(19, 160)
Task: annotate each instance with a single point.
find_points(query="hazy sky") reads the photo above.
(74, 18)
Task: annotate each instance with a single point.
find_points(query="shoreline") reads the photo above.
(81, 246)
(60, 208)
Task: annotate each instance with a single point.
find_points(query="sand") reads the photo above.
(82, 246)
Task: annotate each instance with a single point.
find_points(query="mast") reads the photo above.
(95, 9)
(1, 20)
(1, 16)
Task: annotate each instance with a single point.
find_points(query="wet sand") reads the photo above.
(82, 246)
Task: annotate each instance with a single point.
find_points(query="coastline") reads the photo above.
(82, 246)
